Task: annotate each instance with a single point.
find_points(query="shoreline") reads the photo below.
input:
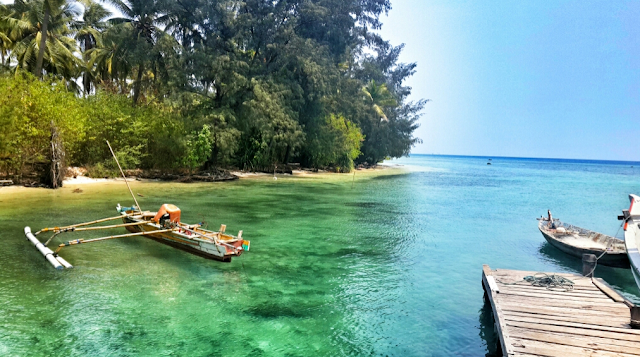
(241, 175)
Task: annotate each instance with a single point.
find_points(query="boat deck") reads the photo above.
(590, 320)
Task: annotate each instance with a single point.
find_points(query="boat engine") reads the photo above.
(168, 215)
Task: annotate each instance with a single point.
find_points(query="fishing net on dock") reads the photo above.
(551, 282)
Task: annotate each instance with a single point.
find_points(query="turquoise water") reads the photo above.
(384, 264)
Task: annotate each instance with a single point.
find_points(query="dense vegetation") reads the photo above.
(186, 85)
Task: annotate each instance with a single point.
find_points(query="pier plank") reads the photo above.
(593, 294)
(555, 350)
(537, 303)
(563, 311)
(592, 319)
(609, 321)
(606, 344)
(584, 330)
(568, 297)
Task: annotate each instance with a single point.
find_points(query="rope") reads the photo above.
(551, 282)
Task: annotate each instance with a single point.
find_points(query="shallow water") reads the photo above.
(386, 264)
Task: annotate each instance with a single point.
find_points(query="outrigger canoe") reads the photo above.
(577, 241)
(163, 226)
(191, 238)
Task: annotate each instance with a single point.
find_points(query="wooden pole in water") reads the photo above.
(124, 177)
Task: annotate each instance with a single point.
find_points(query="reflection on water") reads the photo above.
(487, 329)
(553, 255)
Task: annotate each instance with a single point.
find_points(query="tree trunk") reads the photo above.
(137, 84)
(86, 79)
(43, 40)
(287, 153)
(56, 153)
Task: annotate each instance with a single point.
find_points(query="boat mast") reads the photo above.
(124, 177)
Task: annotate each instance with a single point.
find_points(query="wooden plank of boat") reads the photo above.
(577, 241)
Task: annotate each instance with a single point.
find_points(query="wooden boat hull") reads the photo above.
(185, 243)
(632, 236)
(616, 260)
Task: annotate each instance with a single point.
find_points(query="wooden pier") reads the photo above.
(589, 320)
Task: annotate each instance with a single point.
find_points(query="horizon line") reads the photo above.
(525, 157)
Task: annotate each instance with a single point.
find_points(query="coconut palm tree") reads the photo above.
(5, 41)
(142, 18)
(41, 31)
(88, 34)
(379, 97)
(110, 60)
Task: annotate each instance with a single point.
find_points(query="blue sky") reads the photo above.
(524, 78)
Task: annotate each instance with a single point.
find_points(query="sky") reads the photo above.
(556, 79)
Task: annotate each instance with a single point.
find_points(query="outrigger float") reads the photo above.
(163, 226)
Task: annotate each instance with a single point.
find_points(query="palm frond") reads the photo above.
(124, 8)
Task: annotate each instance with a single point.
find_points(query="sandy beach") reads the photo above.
(79, 181)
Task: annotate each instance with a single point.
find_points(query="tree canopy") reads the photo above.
(248, 84)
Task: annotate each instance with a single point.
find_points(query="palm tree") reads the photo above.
(142, 17)
(39, 46)
(110, 59)
(380, 98)
(5, 41)
(89, 35)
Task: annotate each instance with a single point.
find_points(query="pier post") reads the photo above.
(588, 264)
(635, 317)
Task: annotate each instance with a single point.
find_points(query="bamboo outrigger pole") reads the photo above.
(56, 229)
(124, 177)
(81, 241)
(74, 229)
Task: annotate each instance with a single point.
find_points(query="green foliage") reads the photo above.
(279, 133)
(144, 136)
(198, 148)
(101, 171)
(28, 108)
(204, 83)
(335, 143)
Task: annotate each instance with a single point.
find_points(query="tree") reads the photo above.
(41, 46)
(89, 34)
(379, 98)
(273, 82)
(6, 43)
(142, 19)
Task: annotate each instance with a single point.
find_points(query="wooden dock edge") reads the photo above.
(613, 294)
(499, 325)
(569, 335)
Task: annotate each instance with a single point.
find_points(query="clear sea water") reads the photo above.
(383, 264)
